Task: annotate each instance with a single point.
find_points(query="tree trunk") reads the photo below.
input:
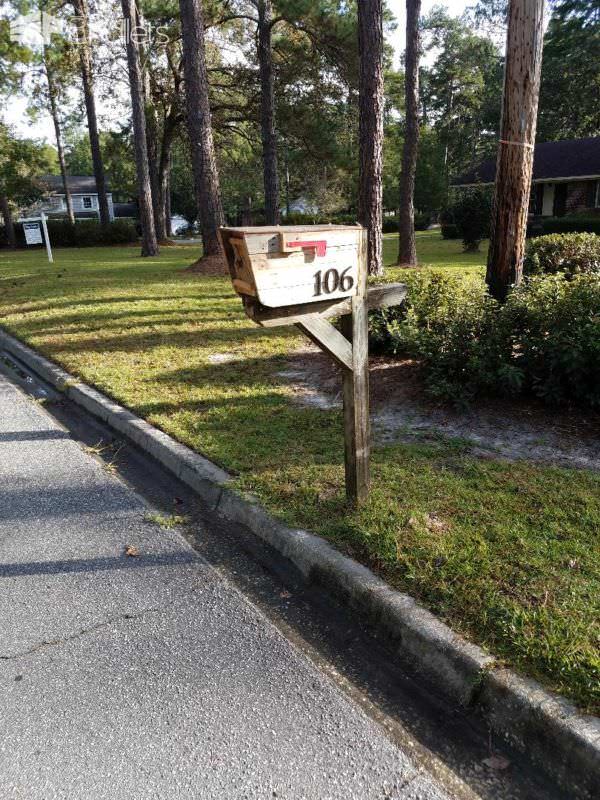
(267, 113)
(407, 250)
(149, 243)
(58, 135)
(370, 191)
(164, 166)
(206, 176)
(85, 61)
(515, 151)
(9, 226)
(154, 169)
(167, 197)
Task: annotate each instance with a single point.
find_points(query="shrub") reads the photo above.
(570, 253)
(422, 222)
(472, 212)
(544, 340)
(573, 223)
(450, 231)
(85, 233)
(556, 328)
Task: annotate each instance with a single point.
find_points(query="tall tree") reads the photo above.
(53, 97)
(267, 111)
(21, 162)
(515, 151)
(370, 48)
(462, 90)
(149, 243)
(407, 249)
(199, 122)
(87, 77)
(570, 89)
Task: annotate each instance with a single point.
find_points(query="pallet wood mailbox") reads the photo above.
(303, 276)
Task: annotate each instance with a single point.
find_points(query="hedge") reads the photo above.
(544, 341)
(85, 233)
(574, 223)
(571, 253)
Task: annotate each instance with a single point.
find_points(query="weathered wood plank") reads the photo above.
(385, 295)
(326, 336)
(355, 389)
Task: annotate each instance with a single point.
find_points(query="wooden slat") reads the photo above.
(323, 334)
(382, 296)
(355, 389)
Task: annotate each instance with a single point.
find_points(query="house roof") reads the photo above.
(78, 184)
(568, 158)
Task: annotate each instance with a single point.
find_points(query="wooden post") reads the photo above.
(355, 387)
(515, 150)
(303, 276)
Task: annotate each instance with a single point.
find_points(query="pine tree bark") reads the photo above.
(9, 226)
(149, 242)
(164, 167)
(370, 191)
(267, 113)
(407, 250)
(199, 123)
(514, 164)
(52, 92)
(167, 197)
(85, 62)
(152, 141)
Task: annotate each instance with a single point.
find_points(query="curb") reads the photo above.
(543, 725)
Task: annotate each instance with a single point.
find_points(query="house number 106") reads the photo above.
(332, 280)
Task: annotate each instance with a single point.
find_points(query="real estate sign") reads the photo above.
(33, 233)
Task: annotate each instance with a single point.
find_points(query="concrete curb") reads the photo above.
(563, 742)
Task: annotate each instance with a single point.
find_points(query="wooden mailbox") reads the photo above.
(303, 275)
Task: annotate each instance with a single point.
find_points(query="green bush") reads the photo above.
(573, 223)
(555, 324)
(570, 253)
(84, 233)
(472, 212)
(422, 222)
(450, 231)
(545, 340)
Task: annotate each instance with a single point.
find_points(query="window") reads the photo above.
(597, 204)
(87, 202)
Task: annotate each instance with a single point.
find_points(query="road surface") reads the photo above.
(149, 675)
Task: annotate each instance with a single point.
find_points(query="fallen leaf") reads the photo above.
(130, 550)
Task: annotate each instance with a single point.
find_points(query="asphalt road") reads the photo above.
(151, 675)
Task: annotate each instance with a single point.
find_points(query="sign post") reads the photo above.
(303, 276)
(47, 238)
(33, 233)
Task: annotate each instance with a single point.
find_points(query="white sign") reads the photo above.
(33, 233)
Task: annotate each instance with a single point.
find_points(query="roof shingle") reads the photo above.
(568, 158)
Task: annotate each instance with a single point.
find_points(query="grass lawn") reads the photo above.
(507, 553)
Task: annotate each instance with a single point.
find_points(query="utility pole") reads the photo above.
(514, 165)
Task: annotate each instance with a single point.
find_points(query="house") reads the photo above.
(566, 176)
(84, 196)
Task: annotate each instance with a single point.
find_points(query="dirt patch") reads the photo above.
(400, 412)
(209, 265)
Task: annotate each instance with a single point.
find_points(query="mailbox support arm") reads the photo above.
(328, 338)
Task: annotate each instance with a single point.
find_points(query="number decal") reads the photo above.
(331, 281)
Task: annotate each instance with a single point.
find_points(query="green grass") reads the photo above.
(435, 252)
(507, 553)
